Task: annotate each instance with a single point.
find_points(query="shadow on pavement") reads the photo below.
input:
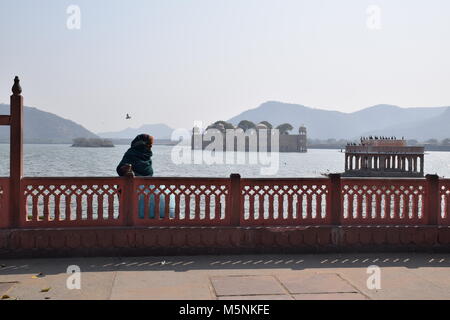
(186, 263)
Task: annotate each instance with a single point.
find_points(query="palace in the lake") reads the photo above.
(383, 157)
(254, 140)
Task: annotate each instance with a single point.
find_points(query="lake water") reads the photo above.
(63, 160)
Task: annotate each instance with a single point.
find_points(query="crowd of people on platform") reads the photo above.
(363, 139)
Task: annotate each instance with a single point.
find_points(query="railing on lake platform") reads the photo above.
(137, 201)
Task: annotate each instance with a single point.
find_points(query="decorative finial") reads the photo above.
(16, 89)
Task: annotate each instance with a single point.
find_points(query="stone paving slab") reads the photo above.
(330, 296)
(246, 285)
(258, 297)
(316, 283)
(160, 285)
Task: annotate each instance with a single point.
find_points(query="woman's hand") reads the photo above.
(127, 170)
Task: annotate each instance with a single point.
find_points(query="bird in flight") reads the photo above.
(128, 117)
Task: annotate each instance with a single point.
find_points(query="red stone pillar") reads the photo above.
(235, 200)
(432, 207)
(335, 210)
(16, 155)
(130, 201)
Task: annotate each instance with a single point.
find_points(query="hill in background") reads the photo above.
(435, 127)
(383, 120)
(45, 127)
(159, 131)
(387, 120)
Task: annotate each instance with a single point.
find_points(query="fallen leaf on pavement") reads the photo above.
(37, 276)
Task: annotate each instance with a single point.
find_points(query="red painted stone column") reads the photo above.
(432, 205)
(16, 155)
(335, 199)
(235, 200)
(129, 200)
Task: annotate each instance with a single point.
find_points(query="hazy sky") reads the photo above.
(176, 61)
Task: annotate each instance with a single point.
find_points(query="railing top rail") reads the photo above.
(71, 179)
(183, 179)
(383, 179)
(285, 179)
(113, 178)
(222, 179)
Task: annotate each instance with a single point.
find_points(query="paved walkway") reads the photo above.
(403, 276)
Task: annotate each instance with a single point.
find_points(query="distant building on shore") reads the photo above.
(384, 157)
(287, 142)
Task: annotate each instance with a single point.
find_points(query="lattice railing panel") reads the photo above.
(71, 201)
(187, 201)
(285, 201)
(400, 201)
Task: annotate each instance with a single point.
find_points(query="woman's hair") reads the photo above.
(142, 139)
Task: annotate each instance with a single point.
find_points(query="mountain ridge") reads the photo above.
(45, 127)
(158, 130)
(421, 123)
(324, 124)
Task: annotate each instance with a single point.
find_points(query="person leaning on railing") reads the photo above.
(138, 161)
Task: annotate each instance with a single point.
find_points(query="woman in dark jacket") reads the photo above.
(139, 156)
(138, 161)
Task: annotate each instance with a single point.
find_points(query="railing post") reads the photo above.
(432, 198)
(335, 199)
(235, 195)
(129, 199)
(16, 154)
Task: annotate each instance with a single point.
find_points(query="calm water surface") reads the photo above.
(63, 160)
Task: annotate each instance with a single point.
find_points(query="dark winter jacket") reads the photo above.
(139, 156)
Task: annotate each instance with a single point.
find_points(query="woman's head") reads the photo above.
(144, 140)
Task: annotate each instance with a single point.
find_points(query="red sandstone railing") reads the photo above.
(381, 202)
(180, 201)
(71, 202)
(109, 202)
(285, 201)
